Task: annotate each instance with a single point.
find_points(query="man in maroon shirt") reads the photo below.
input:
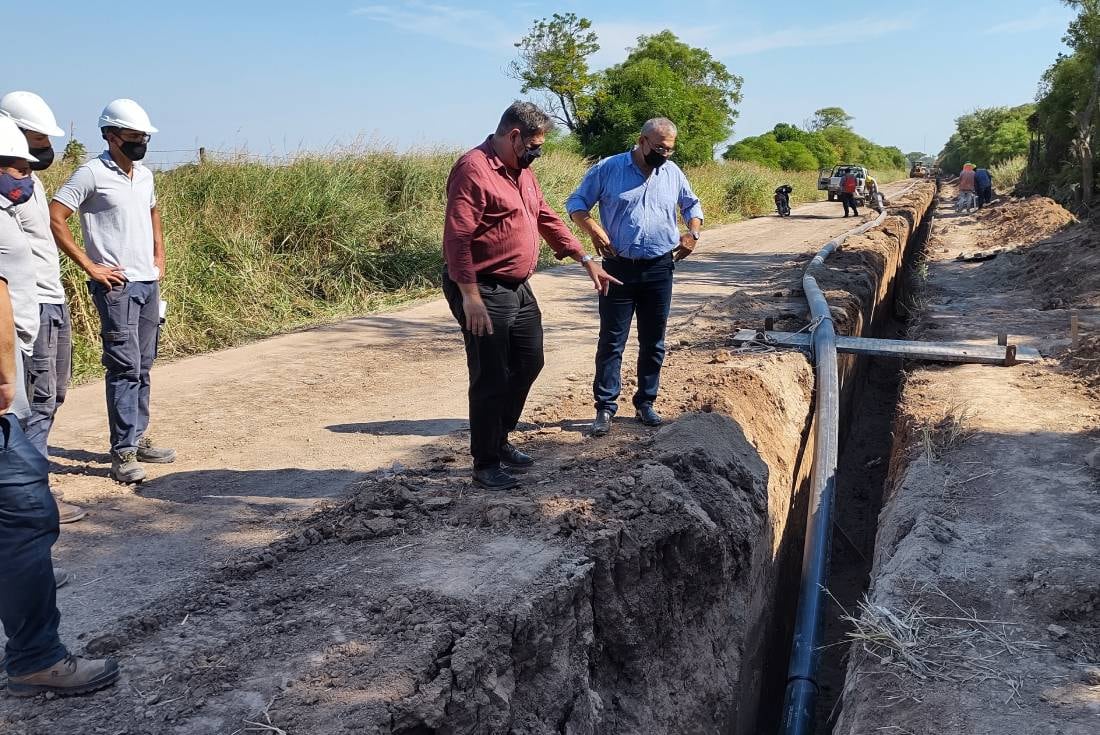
(495, 215)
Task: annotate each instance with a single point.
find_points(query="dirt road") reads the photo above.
(266, 430)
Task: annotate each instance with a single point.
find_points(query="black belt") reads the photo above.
(642, 261)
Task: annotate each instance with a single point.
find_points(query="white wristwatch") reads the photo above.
(586, 258)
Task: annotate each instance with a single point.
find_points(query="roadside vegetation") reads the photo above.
(827, 140)
(1047, 147)
(255, 250)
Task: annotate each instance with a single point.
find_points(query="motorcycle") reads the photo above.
(783, 200)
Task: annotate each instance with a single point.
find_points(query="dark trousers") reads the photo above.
(503, 365)
(28, 528)
(849, 202)
(48, 372)
(129, 318)
(985, 196)
(646, 292)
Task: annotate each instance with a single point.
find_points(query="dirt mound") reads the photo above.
(1020, 221)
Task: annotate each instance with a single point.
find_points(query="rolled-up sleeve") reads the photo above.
(465, 206)
(690, 207)
(556, 233)
(588, 193)
(77, 189)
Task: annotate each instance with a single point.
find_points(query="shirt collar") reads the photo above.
(109, 162)
(491, 154)
(634, 165)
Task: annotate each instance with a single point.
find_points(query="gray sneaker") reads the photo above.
(152, 454)
(125, 468)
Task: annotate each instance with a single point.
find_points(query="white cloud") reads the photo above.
(462, 26)
(1045, 18)
(848, 32)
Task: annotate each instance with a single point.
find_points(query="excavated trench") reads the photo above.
(870, 390)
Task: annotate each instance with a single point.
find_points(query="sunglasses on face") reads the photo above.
(663, 150)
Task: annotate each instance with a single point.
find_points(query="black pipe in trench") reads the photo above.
(801, 693)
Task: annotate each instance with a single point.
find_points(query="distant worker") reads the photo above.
(35, 660)
(640, 193)
(124, 259)
(50, 367)
(983, 185)
(849, 185)
(967, 189)
(495, 214)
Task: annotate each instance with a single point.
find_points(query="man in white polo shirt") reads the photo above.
(124, 258)
(50, 366)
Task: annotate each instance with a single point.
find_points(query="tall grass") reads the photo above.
(256, 249)
(1008, 174)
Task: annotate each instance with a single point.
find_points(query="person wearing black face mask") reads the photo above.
(124, 258)
(49, 369)
(640, 193)
(496, 214)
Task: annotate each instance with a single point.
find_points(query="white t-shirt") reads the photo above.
(114, 214)
(34, 218)
(20, 407)
(17, 264)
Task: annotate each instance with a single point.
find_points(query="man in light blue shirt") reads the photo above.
(639, 193)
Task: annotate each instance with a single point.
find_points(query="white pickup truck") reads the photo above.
(830, 181)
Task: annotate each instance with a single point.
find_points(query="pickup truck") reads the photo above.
(918, 171)
(830, 181)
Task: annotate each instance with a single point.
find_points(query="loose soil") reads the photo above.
(984, 611)
(629, 586)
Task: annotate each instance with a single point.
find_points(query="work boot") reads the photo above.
(513, 458)
(602, 425)
(125, 468)
(151, 454)
(494, 478)
(648, 416)
(69, 676)
(60, 578)
(69, 513)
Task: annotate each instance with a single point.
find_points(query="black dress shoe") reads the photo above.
(648, 416)
(602, 425)
(514, 458)
(494, 478)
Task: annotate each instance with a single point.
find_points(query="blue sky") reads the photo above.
(275, 77)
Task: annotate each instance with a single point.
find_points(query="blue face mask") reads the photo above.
(16, 190)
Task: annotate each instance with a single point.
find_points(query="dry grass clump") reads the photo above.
(946, 433)
(912, 644)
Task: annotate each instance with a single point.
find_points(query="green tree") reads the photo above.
(75, 152)
(830, 117)
(987, 136)
(663, 77)
(553, 57)
(915, 157)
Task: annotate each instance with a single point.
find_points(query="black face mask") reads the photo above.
(529, 155)
(133, 151)
(44, 156)
(653, 159)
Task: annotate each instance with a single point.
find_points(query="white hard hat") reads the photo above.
(13, 143)
(30, 112)
(127, 114)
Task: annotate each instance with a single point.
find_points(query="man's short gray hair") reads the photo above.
(659, 125)
(527, 117)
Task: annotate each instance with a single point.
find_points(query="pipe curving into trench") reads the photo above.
(802, 688)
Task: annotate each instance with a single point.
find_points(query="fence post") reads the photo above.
(202, 155)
